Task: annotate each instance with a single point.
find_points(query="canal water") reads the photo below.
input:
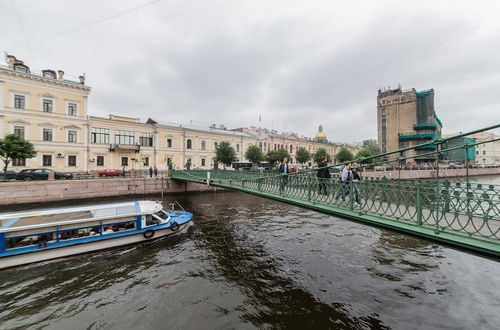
(252, 263)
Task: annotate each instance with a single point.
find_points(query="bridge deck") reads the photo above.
(467, 216)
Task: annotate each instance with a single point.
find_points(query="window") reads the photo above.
(265, 146)
(124, 161)
(47, 105)
(100, 160)
(189, 144)
(19, 131)
(47, 160)
(203, 145)
(260, 145)
(216, 145)
(124, 137)
(203, 162)
(169, 143)
(477, 153)
(484, 152)
(238, 147)
(47, 134)
(169, 162)
(146, 139)
(145, 161)
(72, 136)
(19, 101)
(71, 160)
(19, 162)
(72, 109)
(99, 135)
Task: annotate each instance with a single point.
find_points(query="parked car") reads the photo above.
(42, 174)
(109, 172)
(9, 175)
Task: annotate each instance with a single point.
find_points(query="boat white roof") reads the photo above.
(99, 210)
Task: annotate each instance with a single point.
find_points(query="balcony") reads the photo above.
(125, 147)
(422, 126)
(413, 136)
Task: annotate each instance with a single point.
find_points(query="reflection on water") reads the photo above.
(255, 263)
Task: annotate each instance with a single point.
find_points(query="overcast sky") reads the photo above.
(295, 63)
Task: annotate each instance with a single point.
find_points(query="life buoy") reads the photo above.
(174, 226)
(149, 233)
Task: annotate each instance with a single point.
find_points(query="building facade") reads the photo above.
(407, 118)
(51, 112)
(487, 153)
(47, 110)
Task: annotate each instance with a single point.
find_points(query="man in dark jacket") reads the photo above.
(284, 169)
(323, 175)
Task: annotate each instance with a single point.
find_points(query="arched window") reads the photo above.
(189, 144)
(203, 145)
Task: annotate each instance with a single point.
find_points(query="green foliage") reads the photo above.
(225, 153)
(344, 155)
(372, 146)
(303, 155)
(254, 154)
(320, 154)
(14, 146)
(364, 153)
(275, 156)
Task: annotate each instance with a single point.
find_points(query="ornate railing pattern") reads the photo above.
(472, 210)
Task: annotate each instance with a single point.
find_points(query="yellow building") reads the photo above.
(47, 110)
(51, 112)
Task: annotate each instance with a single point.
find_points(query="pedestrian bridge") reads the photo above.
(461, 214)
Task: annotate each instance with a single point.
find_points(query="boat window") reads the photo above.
(150, 220)
(162, 214)
(23, 241)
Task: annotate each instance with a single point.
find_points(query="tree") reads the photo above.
(275, 156)
(365, 153)
(303, 155)
(344, 155)
(15, 147)
(372, 146)
(225, 153)
(254, 154)
(320, 154)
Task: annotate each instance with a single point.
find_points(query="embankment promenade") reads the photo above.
(429, 174)
(58, 190)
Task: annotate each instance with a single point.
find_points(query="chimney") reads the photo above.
(11, 60)
(60, 75)
(82, 80)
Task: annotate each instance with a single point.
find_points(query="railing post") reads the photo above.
(351, 194)
(419, 205)
(208, 178)
(309, 188)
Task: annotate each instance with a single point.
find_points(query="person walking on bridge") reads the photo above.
(345, 178)
(284, 170)
(323, 175)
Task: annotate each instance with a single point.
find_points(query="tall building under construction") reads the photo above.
(407, 118)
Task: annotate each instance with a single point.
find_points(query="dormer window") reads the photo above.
(49, 74)
(21, 68)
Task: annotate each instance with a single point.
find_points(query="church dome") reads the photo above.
(320, 135)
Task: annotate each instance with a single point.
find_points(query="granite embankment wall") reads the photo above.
(429, 174)
(41, 191)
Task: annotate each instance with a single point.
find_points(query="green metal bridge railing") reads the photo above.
(463, 214)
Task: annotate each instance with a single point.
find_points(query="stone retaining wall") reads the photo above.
(40, 191)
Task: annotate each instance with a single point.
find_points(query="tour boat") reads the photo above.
(33, 236)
